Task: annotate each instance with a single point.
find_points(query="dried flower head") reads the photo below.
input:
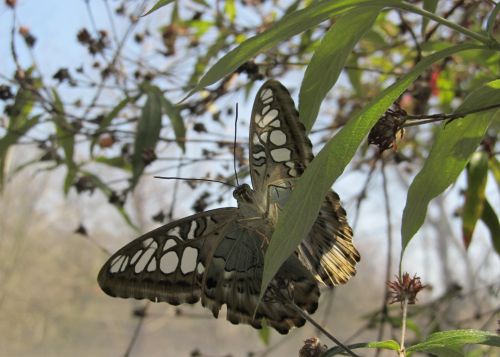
(404, 288)
(312, 348)
(388, 128)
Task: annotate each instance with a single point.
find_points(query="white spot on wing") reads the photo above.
(169, 262)
(266, 93)
(152, 265)
(169, 244)
(259, 155)
(125, 263)
(192, 230)
(265, 110)
(136, 256)
(281, 154)
(255, 139)
(176, 232)
(275, 124)
(146, 257)
(189, 260)
(269, 117)
(263, 137)
(200, 269)
(268, 100)
(116, 264)
(277, 137)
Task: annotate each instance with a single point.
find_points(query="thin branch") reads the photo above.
(322, 329)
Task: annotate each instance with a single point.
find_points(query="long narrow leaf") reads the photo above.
(477, 175)
(19, 125)
(302, 208)
(290, 25)
(65, 134)
(107, 120)
(450, 153)
(455, 338)
(148, 132)
(173, 113)
(490, 218)
(329, 59)
(158, 5)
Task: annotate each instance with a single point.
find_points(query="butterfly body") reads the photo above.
(218, 256)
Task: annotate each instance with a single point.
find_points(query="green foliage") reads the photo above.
(477, 175)
(158, 5)
(19, 125)
(329, 59)
(451, 151)
(451, 343)
(303, 206)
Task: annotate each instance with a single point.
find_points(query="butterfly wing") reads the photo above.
(279, 152)
(212, 256)
(168, 263)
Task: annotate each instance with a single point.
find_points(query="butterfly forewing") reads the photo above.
(279, 152)
(166, 264)
(279, 148)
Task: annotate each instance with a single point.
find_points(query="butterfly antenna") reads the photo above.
(193, 179)
(234, 145)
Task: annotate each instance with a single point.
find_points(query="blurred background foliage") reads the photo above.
(83, 132)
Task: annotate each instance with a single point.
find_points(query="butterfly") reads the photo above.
(218, 255)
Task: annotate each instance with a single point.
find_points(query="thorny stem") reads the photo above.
(323, 330)
(404, 306)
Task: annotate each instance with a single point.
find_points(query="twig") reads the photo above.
(137, 330)
(322, 329)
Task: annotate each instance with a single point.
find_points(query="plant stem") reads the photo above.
(404, 306)
(323, 330)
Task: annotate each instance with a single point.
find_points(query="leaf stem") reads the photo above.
(404, 306)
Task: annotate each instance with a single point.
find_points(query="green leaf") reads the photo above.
(449, 343)
(477, 175)
(495, 170)
(230, 10)
(454, 144)
(203, 61)
(490, 218)
(490, 25)
(431, 6)
(158, 5)
(65, 135)
(354, 75)
(301, 210)
(107, 120)
(265, 334)
(148, 131)
(388, 345)
(116, 161)
(19, 124)
(290, 25)
(173, 113)
(329, 59)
